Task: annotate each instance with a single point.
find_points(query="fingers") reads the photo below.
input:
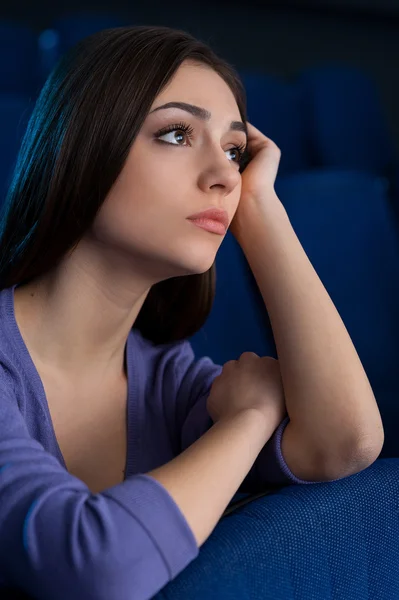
(246, 355)
(255, 135)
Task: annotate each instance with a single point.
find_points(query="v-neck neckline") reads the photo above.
(132, 412)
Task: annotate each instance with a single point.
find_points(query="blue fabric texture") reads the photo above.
(322, 542)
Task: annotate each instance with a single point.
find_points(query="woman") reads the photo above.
(118, 451)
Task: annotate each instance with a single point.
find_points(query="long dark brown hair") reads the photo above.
(85, 120)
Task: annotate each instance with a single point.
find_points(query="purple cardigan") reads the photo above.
(59, 540)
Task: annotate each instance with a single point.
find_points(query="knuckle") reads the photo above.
(229, 364)
(248, 355)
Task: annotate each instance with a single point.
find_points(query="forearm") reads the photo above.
(328, 396)
(203, 479)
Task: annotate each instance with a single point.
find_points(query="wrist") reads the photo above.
(261, 421)
(255, 213)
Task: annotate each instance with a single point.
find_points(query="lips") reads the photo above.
(216, 214)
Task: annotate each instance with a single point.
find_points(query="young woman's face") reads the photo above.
(170, 175)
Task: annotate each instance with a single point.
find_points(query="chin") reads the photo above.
(200, 259)
(197, 267)
(194, 263)
(189, 257)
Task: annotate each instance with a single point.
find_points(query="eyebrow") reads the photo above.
(201, 113)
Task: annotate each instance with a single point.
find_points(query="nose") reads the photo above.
(219, 174)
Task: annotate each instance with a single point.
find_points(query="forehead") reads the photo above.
(202, 86)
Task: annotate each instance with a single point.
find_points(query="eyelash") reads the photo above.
(188, 130)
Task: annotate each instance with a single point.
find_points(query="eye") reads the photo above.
(179, 131)
(239, 152)
(176, 133)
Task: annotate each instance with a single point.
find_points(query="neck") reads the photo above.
(74, 323)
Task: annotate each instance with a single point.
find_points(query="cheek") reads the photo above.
(141, 208)
(155, 180)
(235, 198)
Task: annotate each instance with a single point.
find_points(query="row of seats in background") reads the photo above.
(329, 117)
(337, 180)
